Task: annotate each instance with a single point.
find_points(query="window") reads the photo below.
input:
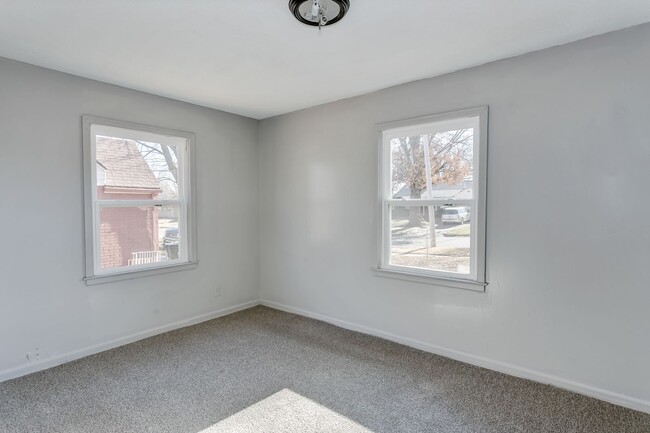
(139, 216)
(432, 199)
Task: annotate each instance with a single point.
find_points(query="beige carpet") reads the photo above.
(264, 369)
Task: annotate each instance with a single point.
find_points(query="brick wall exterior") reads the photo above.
(123, 231)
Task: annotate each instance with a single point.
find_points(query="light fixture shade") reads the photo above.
(335, 11)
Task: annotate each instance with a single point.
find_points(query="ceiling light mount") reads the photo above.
(319, 13)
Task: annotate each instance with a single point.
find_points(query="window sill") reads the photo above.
(474, 286)
(109, 278)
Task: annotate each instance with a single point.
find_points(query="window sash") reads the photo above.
(429, 202)
(182, 234)
(387, 247)
(139, 203)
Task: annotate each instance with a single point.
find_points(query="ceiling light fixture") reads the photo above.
(319, 13)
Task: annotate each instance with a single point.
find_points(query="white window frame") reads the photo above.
(93, 126)
(477, 278)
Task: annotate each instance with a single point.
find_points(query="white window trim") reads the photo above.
(477, 281)
(92, 276)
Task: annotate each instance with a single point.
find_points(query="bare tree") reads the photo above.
(450, 159)
(161, 159)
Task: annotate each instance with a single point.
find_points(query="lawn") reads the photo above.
(461, 230)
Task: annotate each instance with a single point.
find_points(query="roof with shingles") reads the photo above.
(125, 165)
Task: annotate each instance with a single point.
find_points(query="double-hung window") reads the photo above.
(139, 213)
(432, 199)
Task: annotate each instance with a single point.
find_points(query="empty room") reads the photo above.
(319, 216)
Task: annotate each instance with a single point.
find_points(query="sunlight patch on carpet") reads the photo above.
(286, 412)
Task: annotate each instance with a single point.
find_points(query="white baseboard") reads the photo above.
(502, 367)
(510, 369)
(96, 348)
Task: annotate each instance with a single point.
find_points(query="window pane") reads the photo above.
(448, 174)
(131, 236)
(136, 169)
(414, 244)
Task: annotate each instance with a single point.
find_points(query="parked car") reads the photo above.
(170, 243)
(456, 214)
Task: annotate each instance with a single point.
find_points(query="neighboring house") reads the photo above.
(451, 193)
(461, 191)
(123, 173)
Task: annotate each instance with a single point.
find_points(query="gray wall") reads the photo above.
(568, 248)
(43, 301)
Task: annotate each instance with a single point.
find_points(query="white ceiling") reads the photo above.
(252, 57)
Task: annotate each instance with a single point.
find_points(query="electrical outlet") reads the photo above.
(217, 291)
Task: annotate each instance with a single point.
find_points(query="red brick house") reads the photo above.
(123, 173)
